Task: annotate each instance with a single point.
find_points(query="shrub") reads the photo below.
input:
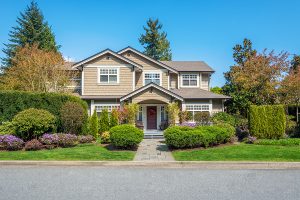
(126, 136)
(49, 139)
(187, 137)
(173, 112)
(282, 142)
(202, 118)
(185, 116)
(94, 125)
(7, 128)
(85, 139)
(67, 140)
(131, 110)
(105, 137)
(73, 117)
(32, 123)
(249, 139)
(267, 122)
(13, 102)
(104, 121)
(291, 127)
(10, 142)
(33, 145)
(114, 118)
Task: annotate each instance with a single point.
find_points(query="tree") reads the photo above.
(295, 63)
(114, 119)
(31, 29)
(36, 70)
(104, 121)
(216, 90)
(173, 112)
(131, 111)
(94, 125)
(241, 53)
(155, 42)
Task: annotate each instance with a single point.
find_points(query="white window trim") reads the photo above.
(108, 67)
(109, 105)
(185, 86)
(153, 72)
(209, 104)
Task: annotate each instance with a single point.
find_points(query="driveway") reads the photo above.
(86, 182)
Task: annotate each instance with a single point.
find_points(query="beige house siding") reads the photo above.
(204, 81)
(147, 66)
(92, 87)
(148, 95)
(217, 105)
(106, 60)
(173, 80)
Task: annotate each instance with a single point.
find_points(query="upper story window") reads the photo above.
(109, 76)
(150, 77)
(189, 80)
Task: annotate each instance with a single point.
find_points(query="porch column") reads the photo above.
(183, 106)
(210, 106)
(92, 107)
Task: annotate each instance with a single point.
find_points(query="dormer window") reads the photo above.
(152, 77)
(108, 75)
(189, 80)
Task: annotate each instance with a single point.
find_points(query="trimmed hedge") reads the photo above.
(281, 142)
(201, 136)
(12, 102)
(267, 122)
(126, 136)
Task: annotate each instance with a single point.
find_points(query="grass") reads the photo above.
(282, 142)
(241, 152)
(80, 152)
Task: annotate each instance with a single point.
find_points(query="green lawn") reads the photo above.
(80, 152)
(241, 152)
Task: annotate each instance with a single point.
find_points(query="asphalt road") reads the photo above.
(45, 182)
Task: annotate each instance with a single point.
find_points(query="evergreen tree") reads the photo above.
(104, 121)
(155, 42)
(114, 119)
(31, 28)
(93, 125)
(295, 63)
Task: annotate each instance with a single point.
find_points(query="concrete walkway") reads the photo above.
(153, 150)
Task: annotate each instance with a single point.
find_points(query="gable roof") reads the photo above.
(197, 93)
(103, 53)
(149, 86)
(188, 66)
(148, 58)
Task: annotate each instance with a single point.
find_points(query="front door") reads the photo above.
(151, 117)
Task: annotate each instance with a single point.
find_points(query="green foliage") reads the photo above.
(202, 136)
(173, 112)
(267, 122)
(126, 136)
(281, 142)
(202, 118)
(12, 102)
(94, 125)
(155, 42)
(32, 123)
(216, 90)
(131, 110)
(7, 128)
(105, 137)
(233, 120)
(185, 116)
(31, 28)
(73, 117)
(114, 118)
(104, 121)
(33, 145)
(291, 127)
(295, 63)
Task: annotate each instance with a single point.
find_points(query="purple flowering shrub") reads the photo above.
(10, 142)
(188, 124)
(67, 140)
(85, 139)
(33, 145)
(49, 139)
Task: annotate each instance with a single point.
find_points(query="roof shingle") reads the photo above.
(188, 66)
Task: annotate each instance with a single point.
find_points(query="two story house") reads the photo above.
(109, 79)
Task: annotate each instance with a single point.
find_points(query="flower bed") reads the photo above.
(10, 142)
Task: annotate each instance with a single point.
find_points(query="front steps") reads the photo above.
(153, 134)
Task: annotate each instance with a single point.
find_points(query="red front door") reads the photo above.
(151, 117)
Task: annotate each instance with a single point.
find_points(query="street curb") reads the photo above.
(162, 164)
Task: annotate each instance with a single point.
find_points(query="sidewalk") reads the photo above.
(153, 150)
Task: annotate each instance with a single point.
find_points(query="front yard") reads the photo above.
(80, 152)
(240, 152)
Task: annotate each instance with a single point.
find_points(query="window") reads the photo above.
(194, 108)
(189, 80)
(108, 76)
(152, 77)
(140, 114)
(109, 108)
(163, 114)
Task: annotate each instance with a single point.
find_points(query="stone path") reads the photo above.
(153, 150)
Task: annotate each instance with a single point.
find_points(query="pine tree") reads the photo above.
(31, 28)
(114, 119)
(155, 42)
(104, 121)
(93, 125)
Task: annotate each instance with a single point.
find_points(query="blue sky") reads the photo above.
(197, 30)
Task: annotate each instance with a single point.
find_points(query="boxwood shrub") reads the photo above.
(126, 136)
(267, 122)
(280, 142)
(201, 136)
